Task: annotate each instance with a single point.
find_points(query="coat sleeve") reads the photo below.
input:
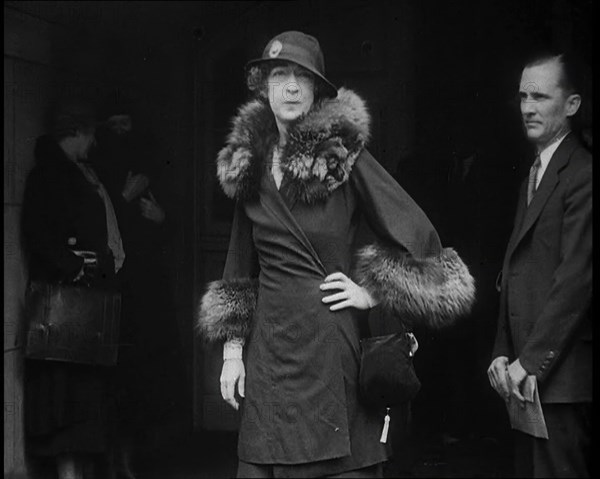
(407, 270)
(502, 343)
(44, 226)
(569, 300)
(227, 307)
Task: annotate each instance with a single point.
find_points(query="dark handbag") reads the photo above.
(387, 375)
(72, 323)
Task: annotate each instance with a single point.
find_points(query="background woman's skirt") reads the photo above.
(68, 408)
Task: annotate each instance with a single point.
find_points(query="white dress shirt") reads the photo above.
(545, 156)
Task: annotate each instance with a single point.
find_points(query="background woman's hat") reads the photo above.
(69, 115)
(299, 48)
(116, 102)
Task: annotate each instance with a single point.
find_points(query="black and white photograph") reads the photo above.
(298, 239)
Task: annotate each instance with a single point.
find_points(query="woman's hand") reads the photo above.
(233, 372)
(134, 186)
(351, 294)
(151, 210)
(89, 269)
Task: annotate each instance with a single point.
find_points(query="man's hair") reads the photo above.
(572, 68)
(575, 78)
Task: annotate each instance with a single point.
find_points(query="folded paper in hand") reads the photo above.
(530, 419)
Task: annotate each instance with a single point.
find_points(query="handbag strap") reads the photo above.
(380, 322)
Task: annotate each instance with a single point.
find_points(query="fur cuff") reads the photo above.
(433, 291)
(226, 309)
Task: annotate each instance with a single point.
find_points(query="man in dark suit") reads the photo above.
(545, 326)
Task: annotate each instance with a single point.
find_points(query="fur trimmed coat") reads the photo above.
(301, 407)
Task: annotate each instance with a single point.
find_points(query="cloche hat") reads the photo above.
(299, 48)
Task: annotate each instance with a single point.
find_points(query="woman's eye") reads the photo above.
(303, 74)
(277, 73)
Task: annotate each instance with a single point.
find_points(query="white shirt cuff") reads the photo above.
(232, 349)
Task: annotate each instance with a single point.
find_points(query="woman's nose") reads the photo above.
(292, 87)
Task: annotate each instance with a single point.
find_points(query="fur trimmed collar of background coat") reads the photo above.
(321, 148)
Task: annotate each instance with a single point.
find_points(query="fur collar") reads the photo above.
(318, 156)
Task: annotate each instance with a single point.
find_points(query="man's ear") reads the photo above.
(573, 104)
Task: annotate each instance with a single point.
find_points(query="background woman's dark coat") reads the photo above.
(67, 406)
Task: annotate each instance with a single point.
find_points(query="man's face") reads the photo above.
(545, 106)
(120, 124)
(291, 91)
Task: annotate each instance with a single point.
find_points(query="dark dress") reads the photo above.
(67, 406)
(301, 404)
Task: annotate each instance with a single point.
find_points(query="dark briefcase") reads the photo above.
(72, 323)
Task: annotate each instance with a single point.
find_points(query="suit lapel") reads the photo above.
(549, 182)
(519, 216)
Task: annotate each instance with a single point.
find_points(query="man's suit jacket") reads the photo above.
(546, 288)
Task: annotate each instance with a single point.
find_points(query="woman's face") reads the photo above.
(120, 124)
(291, 90)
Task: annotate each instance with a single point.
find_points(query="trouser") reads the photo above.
(566, 452)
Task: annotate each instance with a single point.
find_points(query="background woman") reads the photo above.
(66, 209)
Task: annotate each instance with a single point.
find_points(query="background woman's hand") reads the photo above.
(89, 269)
(233, 372)
(151, 210)
(351, 294)
(134, 186)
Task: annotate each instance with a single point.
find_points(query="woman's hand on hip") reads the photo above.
(233, 373)
(350, 294)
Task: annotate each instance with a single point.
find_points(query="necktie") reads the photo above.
(533, 171)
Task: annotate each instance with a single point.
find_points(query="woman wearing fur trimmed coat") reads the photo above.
(288, 305)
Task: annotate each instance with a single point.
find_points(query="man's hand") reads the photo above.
(351, 294)
(233, 372)
(516, 375)
(134, 186)
(497, 374)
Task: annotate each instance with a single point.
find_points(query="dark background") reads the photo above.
(440, 79)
